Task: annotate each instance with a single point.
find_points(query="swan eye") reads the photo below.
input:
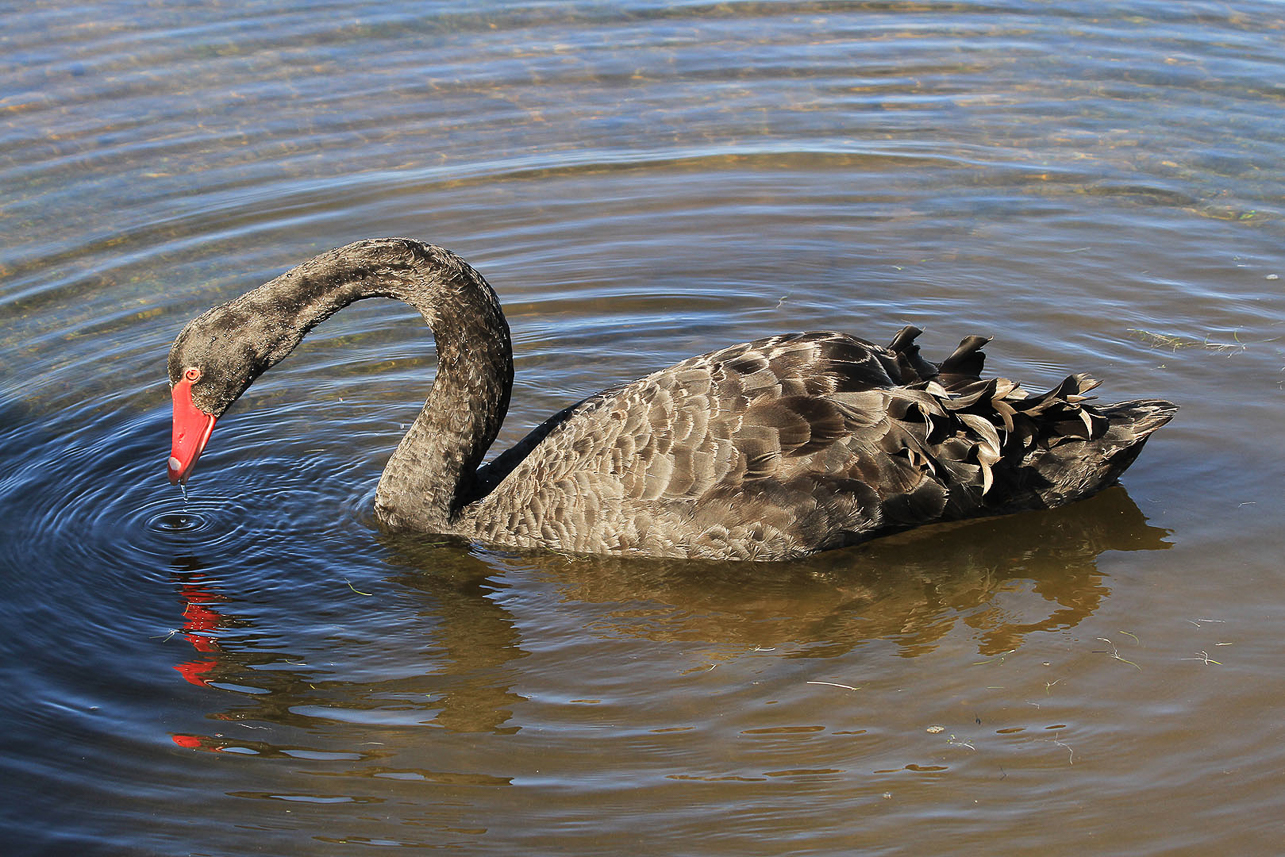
(192, 374)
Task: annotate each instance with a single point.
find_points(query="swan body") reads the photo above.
(768, 450)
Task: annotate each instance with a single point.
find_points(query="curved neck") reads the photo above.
(431, 475)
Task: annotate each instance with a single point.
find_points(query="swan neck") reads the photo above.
(431, 475)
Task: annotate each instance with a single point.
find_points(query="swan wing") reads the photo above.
(799, 443)
(789, 436)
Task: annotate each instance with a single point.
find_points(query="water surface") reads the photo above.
(258, 669)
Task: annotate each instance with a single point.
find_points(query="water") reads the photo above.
(258, 670)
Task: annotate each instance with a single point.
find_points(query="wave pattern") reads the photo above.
(1097, 184)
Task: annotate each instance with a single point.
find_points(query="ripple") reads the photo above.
(161, 524)
(99, 509)
(180, 522)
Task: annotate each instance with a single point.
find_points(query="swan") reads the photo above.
(769, 450)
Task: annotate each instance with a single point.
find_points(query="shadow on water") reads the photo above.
(458, 647)
(910, 589)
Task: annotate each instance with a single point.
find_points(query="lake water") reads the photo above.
(259, 670)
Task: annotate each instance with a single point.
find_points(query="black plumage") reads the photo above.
(766, 450)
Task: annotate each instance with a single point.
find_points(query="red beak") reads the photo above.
(192, 427)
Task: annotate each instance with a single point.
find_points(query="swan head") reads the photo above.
(212, 362)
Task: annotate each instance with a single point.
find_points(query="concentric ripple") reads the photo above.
(168, 523)
(99, 500)
(162, 524)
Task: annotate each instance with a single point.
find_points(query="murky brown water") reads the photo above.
(260, 671)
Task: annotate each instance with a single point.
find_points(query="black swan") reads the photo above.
(769, 450)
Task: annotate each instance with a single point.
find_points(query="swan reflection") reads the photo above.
(437, 648)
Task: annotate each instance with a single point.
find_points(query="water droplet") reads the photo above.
(177, 522)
